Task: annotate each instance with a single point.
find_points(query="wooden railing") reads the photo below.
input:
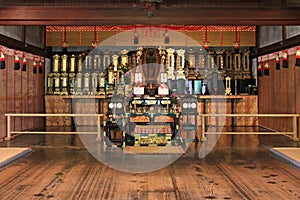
(10, 133)
(293, 133)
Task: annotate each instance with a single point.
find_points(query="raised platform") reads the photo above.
(154, 150)
(290, 154)
(8, 155)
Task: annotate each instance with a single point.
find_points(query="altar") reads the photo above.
(156, 122)
(151, 96)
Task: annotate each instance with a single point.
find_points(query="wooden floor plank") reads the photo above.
(229, 171)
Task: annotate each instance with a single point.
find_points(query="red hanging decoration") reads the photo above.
(17, 63)
(298, 57)
(221, 39)
(24, 63)
(266, 69)
(95, 43)
(80, 38)
(259, 69)
(205, 42)
(285, 59)
(277, 62)
(190, 28)
(40, 67)
(34, 67)
(2, 61)
(65, 43)
(236, 43)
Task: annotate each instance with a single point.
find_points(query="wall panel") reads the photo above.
(278, 93)
(21, 92)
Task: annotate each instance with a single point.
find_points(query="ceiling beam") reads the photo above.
(186, 15)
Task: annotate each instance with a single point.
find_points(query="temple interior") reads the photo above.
(137, 99)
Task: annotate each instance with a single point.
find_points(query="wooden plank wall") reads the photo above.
(279, 93)
(21, 92)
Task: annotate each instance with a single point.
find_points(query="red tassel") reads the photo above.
(17, 63)
(205, 45)
(266, 69)
(298, 57)
(2, 61)
(40, 67)
(285, 59)
(34, 67)
(259, 70)
(277, 63)
(24, 65)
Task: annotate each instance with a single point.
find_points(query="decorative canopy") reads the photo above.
(131, 27)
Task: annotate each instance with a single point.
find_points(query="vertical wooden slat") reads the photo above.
(295, 128)
(21, 98)
(6, 88)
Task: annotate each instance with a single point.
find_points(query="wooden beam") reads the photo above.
(285, 44)
(35, 15)
(20, 45)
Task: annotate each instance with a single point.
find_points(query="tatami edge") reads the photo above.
(15, 157)
(285, 157)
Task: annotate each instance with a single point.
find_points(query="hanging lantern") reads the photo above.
(277, 60)
(236, 43)
(34, 67)
(95, 43)
(40, 67)
(2, 61)
(65, 43)
(24, 64)
(17, 63)
(285, 59)
(205, 42)
(298, 57)
(259, 69)
(167, 37)
(266, 69)
(205, 45)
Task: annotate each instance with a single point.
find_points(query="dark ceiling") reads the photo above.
(126, 3)
(131, 12)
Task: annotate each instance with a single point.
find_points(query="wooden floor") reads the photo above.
(239, 167)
